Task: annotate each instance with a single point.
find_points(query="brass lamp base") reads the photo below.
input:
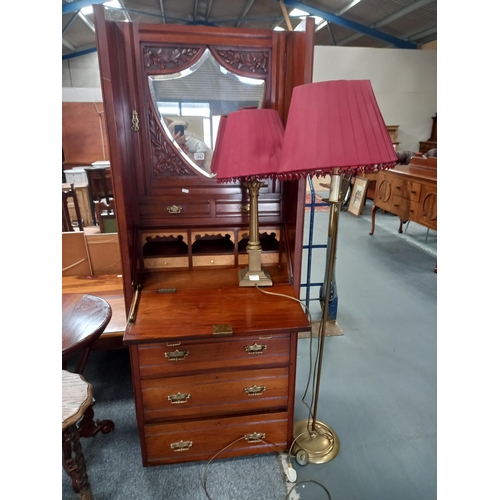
(252, 278)
(321, 445)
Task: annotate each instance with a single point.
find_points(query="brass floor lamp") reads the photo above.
(333, 127)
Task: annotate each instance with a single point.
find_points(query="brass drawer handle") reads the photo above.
(255, 349)
(255, 390)
(179, 399)
(245, 208)
(181, 445)
(176, 355)
(255, 437)
(172, 344)
(174, 209)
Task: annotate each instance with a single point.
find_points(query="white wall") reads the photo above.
(404, 82)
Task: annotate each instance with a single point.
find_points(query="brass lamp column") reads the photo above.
(248, 149)
(317, 439)
(253, 274)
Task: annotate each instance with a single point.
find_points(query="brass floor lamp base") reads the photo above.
(321, 445)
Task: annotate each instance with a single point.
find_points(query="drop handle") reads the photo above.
(255, 349)
(176, 355)
(179, 399)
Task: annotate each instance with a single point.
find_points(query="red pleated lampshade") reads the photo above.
(335, 124)
(248, 145)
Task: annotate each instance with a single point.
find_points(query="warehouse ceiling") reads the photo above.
(348, 23)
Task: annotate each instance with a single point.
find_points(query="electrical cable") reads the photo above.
(313, 391)
(309, 481)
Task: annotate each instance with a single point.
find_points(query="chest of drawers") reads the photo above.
(198, 391)
(410, 192)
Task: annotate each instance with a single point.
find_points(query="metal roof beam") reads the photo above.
(365, 30)
(67, 44)
(247, 7)
(390, 19)
(75, 6)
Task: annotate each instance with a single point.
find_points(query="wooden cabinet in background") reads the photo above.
(410, 192)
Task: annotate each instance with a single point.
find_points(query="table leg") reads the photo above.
(75, 465)
(374, 210)
(89, 428)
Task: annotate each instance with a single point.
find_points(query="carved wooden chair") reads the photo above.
(106, 216)
(67, 224)
(100, 187)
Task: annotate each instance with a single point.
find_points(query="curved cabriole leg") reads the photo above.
(88, 428)
(401, 224)
(374, 210)
(75, 465)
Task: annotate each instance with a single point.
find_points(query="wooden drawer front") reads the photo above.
(383, 193)
(406, 189)
(208, 394)
(229, 209)
(427, 214)
(160, 359)
(202, 439)
(213, 260)
(174, 209)
(401, 207)
(166, 262)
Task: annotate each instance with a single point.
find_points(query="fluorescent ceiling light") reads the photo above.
(112, 3)
(298, 13)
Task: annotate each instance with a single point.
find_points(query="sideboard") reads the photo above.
(410, 192)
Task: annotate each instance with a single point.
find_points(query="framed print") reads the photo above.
(358, 196)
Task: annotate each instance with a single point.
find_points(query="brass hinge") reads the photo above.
(222, 330)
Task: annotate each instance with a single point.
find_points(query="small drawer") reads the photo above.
(192, 396)
(213, 260)
(266, 258)
(173, 209)
(175, 358)
(166, 262)
(200, 440)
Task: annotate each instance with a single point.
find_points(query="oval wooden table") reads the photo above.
(76, 399)
(84, 318)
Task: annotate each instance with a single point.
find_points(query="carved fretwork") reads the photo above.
(250, 61)
(165, 161)
(167, 57)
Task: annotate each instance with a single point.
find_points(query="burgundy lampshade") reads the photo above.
(248, 145)
(335, 124)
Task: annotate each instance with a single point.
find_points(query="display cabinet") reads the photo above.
(213, 364)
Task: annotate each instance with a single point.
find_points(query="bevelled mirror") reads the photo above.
(189, 104)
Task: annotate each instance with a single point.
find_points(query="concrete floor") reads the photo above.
(378, 383)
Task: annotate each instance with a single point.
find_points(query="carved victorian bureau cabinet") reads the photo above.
(213, 363)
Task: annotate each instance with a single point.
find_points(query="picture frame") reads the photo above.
(358, 196)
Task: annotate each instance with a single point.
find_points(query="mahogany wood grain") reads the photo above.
(208, 391)
(161, 315)
(209, 353)
(210, 436)
(84, 318)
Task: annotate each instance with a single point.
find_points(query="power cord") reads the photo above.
(309, 481)
(292, 476)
